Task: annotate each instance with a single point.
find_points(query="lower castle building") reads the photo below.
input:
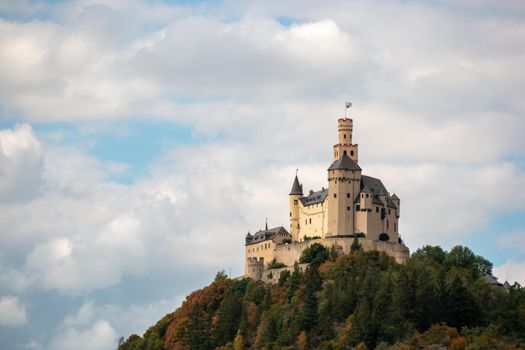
(352, 204)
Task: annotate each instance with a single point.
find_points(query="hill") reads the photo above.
(364, 300)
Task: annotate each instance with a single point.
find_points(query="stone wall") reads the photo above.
(272, 276)
(288, 254)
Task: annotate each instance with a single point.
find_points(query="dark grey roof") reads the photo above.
(265, 235)
(249, 235)
(365, 189)
(345, 163)
(506, 285)
(297, 188)
(395, 197)
(489, 279)
(314, 197)
(375, 186)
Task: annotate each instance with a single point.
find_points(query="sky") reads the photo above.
(141, 140)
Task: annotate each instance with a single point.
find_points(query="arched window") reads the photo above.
(344, 152)
(344, 136)
(351, 153)
(384, 237)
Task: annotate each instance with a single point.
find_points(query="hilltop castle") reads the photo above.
(353, 205)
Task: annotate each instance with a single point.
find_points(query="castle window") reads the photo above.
(395, 227)
(348, 208)
(344, 152)
(344, 136)
(388, 211)
(305, 221)
(357, 207)
(351, 153)
(362, 195)
(295, 201)
(290, 214)
(377, 209)
(348, 195)
(367, 195)
(335, 195)
(310, 221)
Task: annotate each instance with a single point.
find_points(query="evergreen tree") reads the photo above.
(356, 246)
(308, 296)
(293, 283)
(461, 309)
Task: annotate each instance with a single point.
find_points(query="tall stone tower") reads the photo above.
(344, 181)
(295, 194)
(345, 145)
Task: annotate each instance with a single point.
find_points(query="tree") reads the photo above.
(356, 246)
(239, 343)
(428, 252)
(229, 317)
(460, 257)
(362, 325)
(461, 308)
(293, 283)
(308, 296)
(315, 254)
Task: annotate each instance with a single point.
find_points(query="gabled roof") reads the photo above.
(375, 186)
(490, 279)
(344, 163)
(297, 188)
(395, 197)
(266, 235)
(314, 197)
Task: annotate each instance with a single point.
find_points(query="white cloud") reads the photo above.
(100, 336)
(511, 271)
(20, 164)
(438, 118)
(12, 312)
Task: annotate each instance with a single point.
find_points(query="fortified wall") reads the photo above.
(289, 254)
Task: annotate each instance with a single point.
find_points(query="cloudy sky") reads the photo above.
(140, 141)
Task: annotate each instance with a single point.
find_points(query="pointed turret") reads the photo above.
(297, 188)
(249, 237)
(295, 195)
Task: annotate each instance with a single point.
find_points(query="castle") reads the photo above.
(353, 205)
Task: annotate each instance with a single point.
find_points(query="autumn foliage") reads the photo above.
(438, 300)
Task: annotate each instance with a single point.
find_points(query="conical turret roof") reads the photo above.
(297, 188)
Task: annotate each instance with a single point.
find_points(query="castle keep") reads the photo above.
(353, 205)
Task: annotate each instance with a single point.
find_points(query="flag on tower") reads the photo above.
(348, 104)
